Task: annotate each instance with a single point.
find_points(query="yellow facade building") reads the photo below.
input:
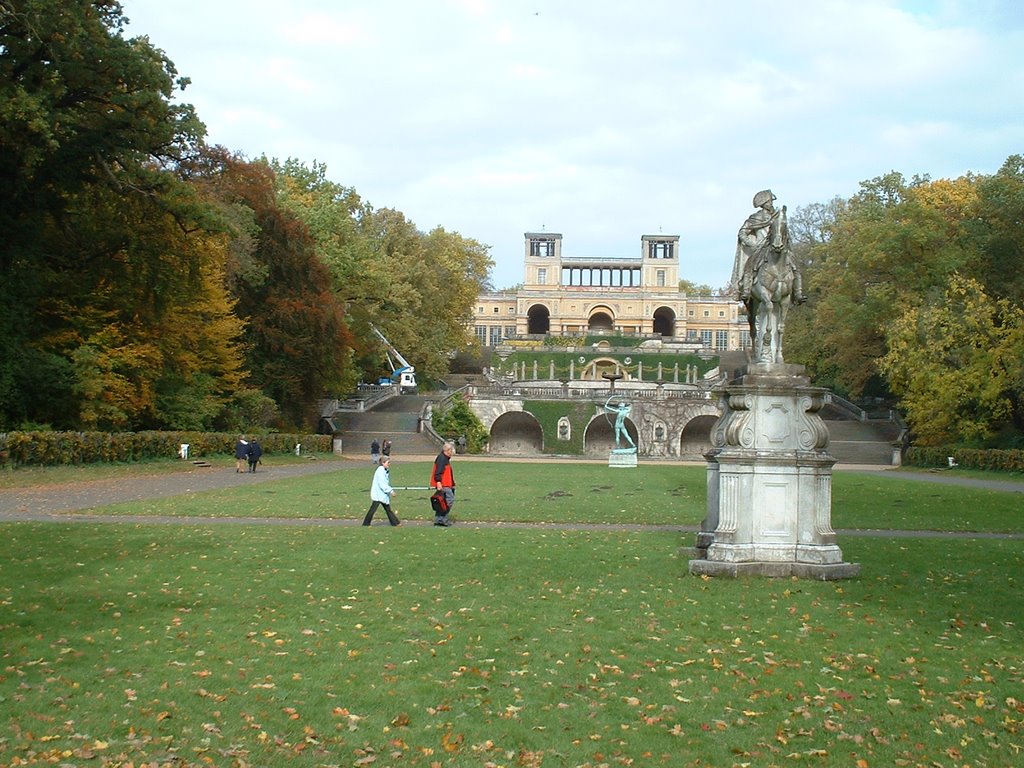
(639, 296)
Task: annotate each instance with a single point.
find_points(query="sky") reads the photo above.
(602, 121)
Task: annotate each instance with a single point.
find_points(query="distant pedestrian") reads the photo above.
(255, 451)
(385, 448)
(374, 451)
(241, 454)
(381, 492)
(442, 479)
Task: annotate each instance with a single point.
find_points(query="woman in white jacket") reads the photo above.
(381, 492)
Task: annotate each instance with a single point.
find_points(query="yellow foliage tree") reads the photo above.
(956, 365)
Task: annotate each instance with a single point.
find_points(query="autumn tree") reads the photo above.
(104, 246)
(887, 248)
(298, 346)
(955, 362)
(417, 288)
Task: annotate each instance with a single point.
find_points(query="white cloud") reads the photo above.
(599, 119)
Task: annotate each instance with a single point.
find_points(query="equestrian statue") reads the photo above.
(766, 276)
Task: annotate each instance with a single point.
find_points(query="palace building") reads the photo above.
(571, 296)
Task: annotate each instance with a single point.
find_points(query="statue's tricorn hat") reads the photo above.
(762, 197)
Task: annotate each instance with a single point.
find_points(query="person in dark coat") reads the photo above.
(241, 453)
(255, 451)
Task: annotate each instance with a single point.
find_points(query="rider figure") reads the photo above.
(751, 241)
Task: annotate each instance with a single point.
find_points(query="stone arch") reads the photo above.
(601, 319)
(538, 319)
(695, 439)
(597, 366)
(599, 436)
(516, 433)
(665, 321)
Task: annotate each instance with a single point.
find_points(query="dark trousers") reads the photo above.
(392, 518)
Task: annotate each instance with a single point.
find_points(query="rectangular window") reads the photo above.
(721, 313)
(660, 278)
(511, 310)
(707, 313)
(510, 331)
(495, 335)
(481, 333)
(705, 337)
(721, 340)
(542, 276)
(497, 310)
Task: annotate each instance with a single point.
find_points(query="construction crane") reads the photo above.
(402, 373)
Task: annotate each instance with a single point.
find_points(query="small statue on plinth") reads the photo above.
(621, 411)
(621, 456)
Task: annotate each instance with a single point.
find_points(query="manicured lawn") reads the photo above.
(579, 492)
(311, 645)
(267, 645)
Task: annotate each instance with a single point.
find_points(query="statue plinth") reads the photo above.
(770, 481)
(622, 457)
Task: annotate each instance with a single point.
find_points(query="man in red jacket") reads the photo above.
(443, 481)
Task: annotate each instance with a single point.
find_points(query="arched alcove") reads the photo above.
(599, 437)
(695, 439)
(538, 320)
(516, 433)
(664, 321)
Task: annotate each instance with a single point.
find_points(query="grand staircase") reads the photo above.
(855, 441)
(396, 419)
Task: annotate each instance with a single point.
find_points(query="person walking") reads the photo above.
(381, 492)
(241, 454)
(374, 451)
(255, 451)
(385, 447)
(443, 481)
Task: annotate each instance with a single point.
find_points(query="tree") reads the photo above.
(694, 289)
(97, 251)
(298, 346)
(889, 247)
(998, 226)
(956, 364)
(418, 289)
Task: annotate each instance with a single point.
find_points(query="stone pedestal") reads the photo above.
(622, 457)
(770, 482)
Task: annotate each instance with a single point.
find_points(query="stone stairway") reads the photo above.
(396, 419)
(859, 442)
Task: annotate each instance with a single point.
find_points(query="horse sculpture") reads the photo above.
(771, 292)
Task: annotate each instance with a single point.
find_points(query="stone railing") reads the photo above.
(599, 391)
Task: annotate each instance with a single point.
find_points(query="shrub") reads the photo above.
(53, 448)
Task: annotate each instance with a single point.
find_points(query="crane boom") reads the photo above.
(403, 373)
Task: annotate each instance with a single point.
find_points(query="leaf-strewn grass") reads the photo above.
(317, 646)
(266, 645)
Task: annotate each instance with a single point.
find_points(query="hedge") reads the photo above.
(972, 458)
(53, 448)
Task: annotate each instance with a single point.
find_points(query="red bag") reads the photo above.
(439, 504)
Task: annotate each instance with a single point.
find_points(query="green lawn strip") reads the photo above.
(591, 493)
(253, 645)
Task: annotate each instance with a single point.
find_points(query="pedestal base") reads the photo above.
(622, 457)
(818, 572)
(770, 483)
